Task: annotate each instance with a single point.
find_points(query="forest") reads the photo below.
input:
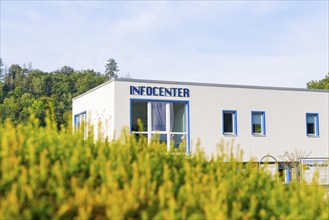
(24, 90)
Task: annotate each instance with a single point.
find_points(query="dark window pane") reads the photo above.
(178, 117)
(310, 129)
(178, 140)
(140, 136)
(256, 128)
(228, 122)
(138, 111)
(162, 138)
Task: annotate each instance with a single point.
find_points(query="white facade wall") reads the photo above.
(285, 115)
(98, 104)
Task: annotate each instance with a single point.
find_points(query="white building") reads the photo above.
(262, 120)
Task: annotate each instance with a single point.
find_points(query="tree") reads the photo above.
(2, 71)
(292, 159)
(319, 84)
(67, 70)
(111, 69)
(9, 110)
(25, 91)
(40, 107)
(2, 96)
(29, 66)
(15, 76)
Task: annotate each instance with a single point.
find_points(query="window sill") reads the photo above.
(258, 135)
(229, 135)
(312, 136)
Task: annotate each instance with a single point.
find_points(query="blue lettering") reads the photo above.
(161, 91)
(174, 89)
(155, 91)
(149, 90)
(134, 90)
(180, 92)
(167, 92)
(142, 90)
(186, 93)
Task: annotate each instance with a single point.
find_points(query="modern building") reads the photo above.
(261, 120)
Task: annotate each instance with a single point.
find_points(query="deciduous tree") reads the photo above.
(319, 84)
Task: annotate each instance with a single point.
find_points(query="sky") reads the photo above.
(264, 43)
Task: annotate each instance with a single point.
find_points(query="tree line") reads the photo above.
(26, 90)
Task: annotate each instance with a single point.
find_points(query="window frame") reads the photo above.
(234, 123)
(316, 125)
(150, 132)
(77, 126)
(262, 123)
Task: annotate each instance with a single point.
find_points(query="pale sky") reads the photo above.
(266, 43)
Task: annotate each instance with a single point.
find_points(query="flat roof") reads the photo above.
(203, 84)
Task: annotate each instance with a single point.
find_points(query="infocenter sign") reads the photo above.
(159, 91)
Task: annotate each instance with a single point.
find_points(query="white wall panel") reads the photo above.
(285, 114)
(99, 105)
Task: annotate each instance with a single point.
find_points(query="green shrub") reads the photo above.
(51, 174)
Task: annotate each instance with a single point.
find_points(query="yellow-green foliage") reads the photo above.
(51, 174)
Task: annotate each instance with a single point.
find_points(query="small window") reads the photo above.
(312, 124)
(258, 123)
(229, 122)
(80, 123)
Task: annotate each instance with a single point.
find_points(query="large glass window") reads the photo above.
(163, 121)
(258, 123)
(312, 124)
(229, 122)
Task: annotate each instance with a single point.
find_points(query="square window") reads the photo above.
(229, 122)
(312, 124)
(258, 123)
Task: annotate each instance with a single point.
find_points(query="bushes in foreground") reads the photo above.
(51, 174)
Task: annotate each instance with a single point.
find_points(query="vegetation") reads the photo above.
(111, 69)
(319, 84)
(292, 159)
(24, 88)
(48, 173)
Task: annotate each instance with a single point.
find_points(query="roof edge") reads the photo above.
(220, 85)
(93, 89)
(201, 84)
